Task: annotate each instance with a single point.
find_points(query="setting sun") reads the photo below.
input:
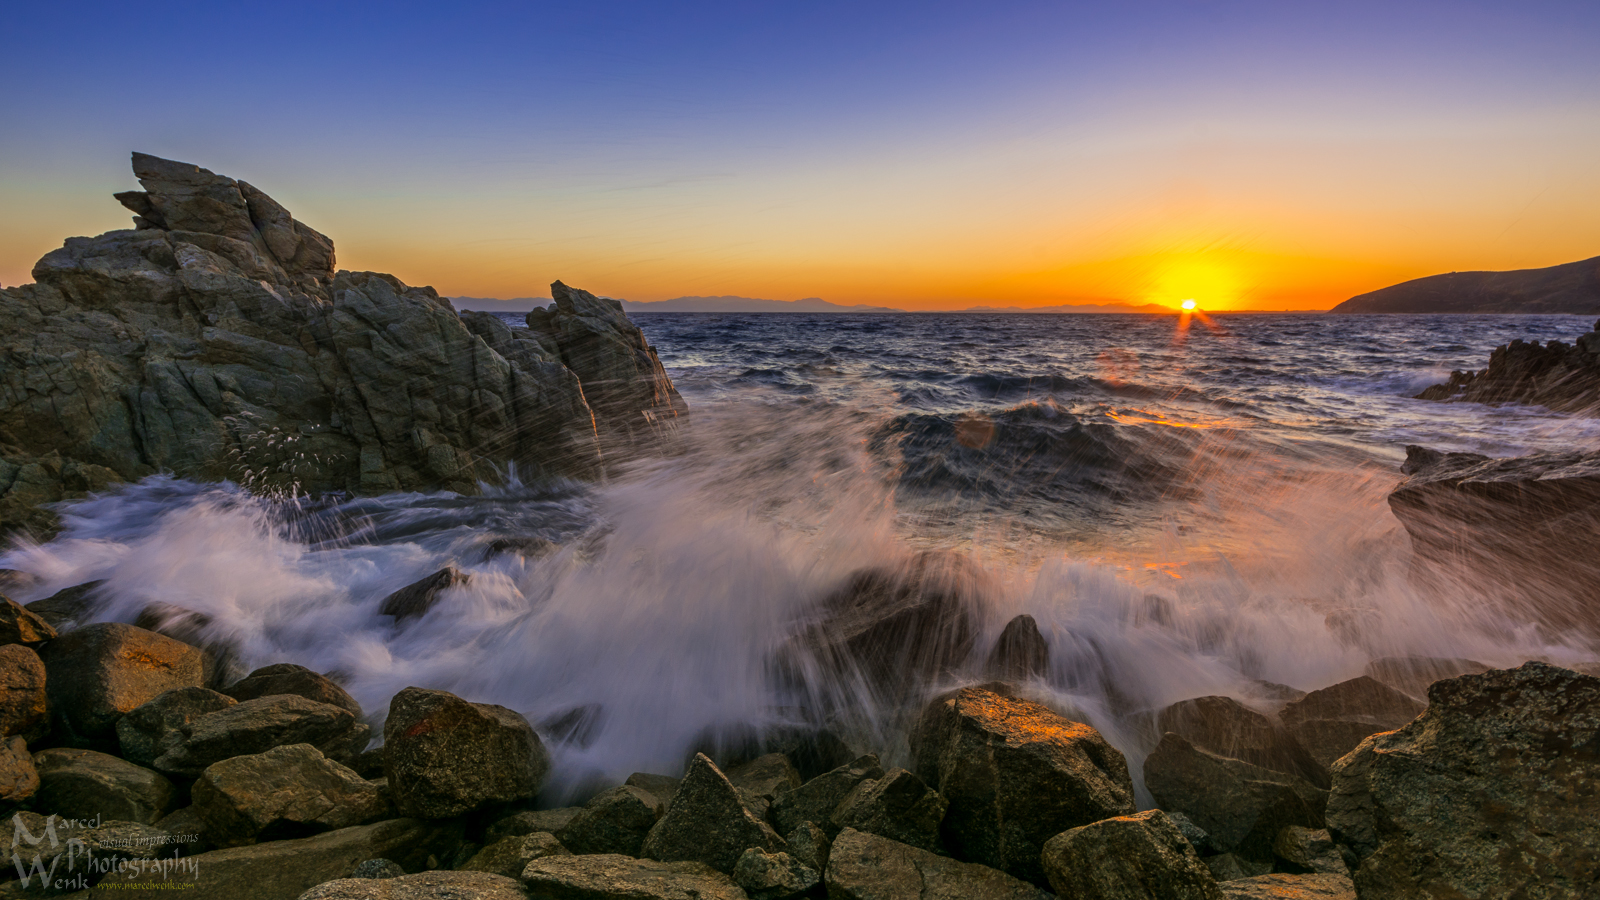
(1187, 304)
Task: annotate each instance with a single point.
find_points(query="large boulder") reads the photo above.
(421, 886)
(24, 708)
(1137, 857)
(708, 822)
(622, 378)
(19, 625)
(614, 821)
(85, 784)
(868, 867)
(99, 673)
(1241, 807)
(894, 627)
(283, 870)
(19, 778)
(163, 725)
(1015, 774)
(444, 756)
(1332, 721)
(290, 791)
(1226, 727)
(216, 340)
(607, 875)
(899, 806)
(256, 726)
(1490, 792)
(288, 678)
(1506, 537)
(816, 800)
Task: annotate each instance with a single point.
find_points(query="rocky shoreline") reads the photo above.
(1555, 374)
(132, 758)
(218, 340)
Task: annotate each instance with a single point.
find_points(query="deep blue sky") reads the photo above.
(1028, 153)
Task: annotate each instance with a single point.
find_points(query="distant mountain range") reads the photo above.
(731, 304)
(1568, 288)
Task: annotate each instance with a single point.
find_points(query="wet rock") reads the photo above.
(614, 821)
(868, 867)
(377, 868)
(898, 806)
(897, 627)
(809, 845)
(84, 784)
(283, 870)
(1290, 887)
(766, 776)
(290, 791)
(1015, 774)
(662, 787)
(1332, 721)
(19, 779)
(509, 856)
(1021, 652)
(99, 673)
(1241, 807)
(1490, 792)
(422, 886)
(1126, 858)
(1224, 726)
(415, 599)
(287, 678)
(1232, 866)
(193, 628)
(816, 800)
(1413, 674)
(1301, 851)
(530, 822)
(66, 607)
(256, 726)
(708, 822)
(162, 726)
(22, 626)
(444, 756)
(607, 875)
(773, 876)
(24, 709)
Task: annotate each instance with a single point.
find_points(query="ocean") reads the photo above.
(1186, 506)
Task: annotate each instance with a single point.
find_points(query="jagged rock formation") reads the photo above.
(1557, 375)
(1568, 288)
(1517, 531)
(217, 340)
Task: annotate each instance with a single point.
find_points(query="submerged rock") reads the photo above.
(444, 756)
(1015, 774)
(1241, 807)
(290, 791)
(1137, 857)
(607, 875)
(1490, 792)
(709, 822)
(868, 867)
(415, 599)
(84, 784)
(99, 673)
(24, 709)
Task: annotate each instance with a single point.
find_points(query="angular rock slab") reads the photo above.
(607, 875)
(1226, 727)
(1330, 722)
(165, 723)
(709, 822)
(444, 756)
(99, 673)
(283, 870)
(422, 886)
(84, 784)
(24, 709)
(1015, 774)
(19, 625)
(509, 856)
(899, 806)
(868, 867)
(816, 800)
(1490, 792)
(1240, 807)
(291, 791)
(288, 678)
(1290, 887)
(256, 726)
(773, 876)
(614, 821)
(1137, 857)
(766, 776)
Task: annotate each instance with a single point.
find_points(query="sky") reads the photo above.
(921, 155)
